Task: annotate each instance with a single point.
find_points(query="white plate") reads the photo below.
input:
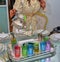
(2, 60)
(55, 36)
(3, 35)
(46, 32)
(1, 47)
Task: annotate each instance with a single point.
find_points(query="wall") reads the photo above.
(53, 13)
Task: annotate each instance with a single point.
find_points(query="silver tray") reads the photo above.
(32, 58)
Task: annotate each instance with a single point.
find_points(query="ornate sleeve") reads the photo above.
(17, 5)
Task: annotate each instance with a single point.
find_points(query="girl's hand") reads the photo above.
(43, 4)
(12, 13)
